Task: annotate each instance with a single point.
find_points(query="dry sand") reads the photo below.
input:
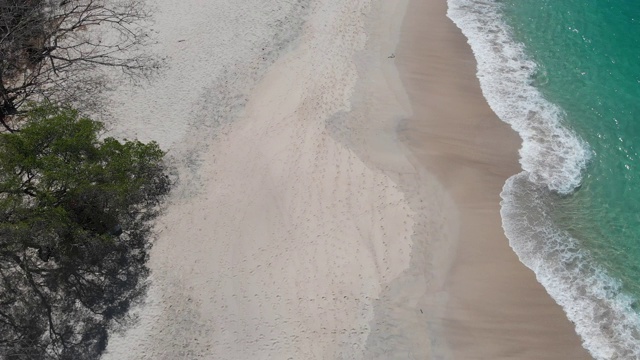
(496, 309)
(291, 238)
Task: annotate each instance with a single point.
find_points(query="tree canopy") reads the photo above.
(75, 228)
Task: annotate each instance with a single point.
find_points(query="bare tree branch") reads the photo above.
(64, 51)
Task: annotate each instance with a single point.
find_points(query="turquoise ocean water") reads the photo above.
(565, 74)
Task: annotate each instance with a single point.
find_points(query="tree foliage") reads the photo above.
(75, 227)
(54, 50)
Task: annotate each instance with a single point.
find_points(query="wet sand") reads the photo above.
(495, 309)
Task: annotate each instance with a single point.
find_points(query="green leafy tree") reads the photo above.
(75, 230)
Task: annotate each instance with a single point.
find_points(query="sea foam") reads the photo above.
(551, 154)
(602, 314)
(553, 158)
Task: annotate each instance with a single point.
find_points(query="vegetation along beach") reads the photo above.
(319, 179)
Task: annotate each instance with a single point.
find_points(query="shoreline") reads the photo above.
(495, 308)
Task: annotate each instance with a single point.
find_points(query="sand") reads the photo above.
(337, 208)
(291, 236)
(496, 309)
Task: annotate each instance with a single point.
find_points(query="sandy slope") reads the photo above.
(291, 237)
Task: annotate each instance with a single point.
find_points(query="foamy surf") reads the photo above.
(551, 154)
(553, 158)
(593, 301)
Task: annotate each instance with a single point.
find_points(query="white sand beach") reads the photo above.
(301, 226)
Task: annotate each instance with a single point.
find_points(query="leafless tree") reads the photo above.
(63, 51)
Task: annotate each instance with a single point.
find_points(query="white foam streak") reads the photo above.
(593, 301)
(551, 153)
